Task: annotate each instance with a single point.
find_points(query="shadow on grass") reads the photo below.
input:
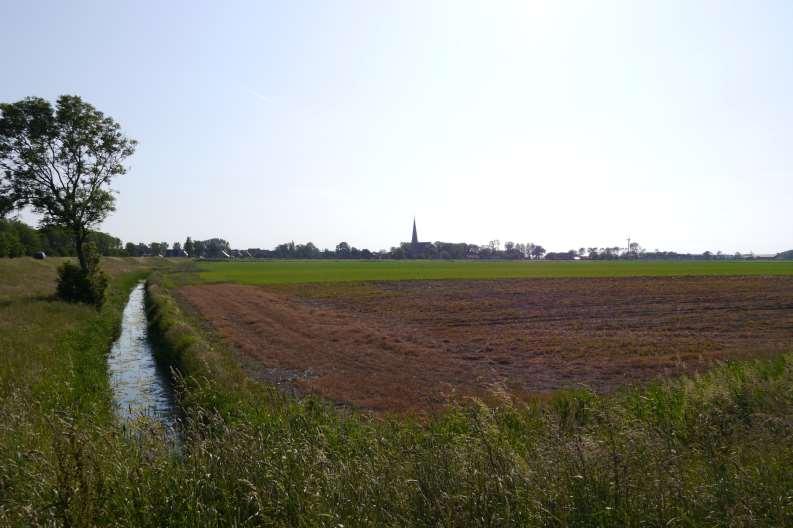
(4, 303)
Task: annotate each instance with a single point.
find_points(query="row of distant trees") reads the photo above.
(436, 250)
(491, 250)
(19, 239)
(211, 248)
(635, 251)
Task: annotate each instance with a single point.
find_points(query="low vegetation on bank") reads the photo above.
(712, 450)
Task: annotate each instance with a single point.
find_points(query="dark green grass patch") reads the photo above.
(296, 271)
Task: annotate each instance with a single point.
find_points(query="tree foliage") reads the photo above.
(17, 239)
(60, 161)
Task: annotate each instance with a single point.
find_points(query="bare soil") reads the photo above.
(412, 346)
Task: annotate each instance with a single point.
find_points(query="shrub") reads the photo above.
(78, 285)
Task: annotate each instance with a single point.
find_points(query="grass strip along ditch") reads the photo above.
(57, 427)
(710, 449)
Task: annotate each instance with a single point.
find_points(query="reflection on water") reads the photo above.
(140, 386)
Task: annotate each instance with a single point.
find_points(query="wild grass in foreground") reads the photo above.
(711, 451)
(299, 271)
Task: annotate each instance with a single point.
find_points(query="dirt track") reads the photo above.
(411, 345)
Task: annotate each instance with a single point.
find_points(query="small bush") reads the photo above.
(78, 285)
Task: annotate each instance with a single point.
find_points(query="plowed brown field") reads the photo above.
(413, 345)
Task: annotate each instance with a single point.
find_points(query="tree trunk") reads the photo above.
(79, 242)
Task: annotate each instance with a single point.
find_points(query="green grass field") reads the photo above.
(296, 271)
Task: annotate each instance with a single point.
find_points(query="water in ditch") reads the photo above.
(141, 387)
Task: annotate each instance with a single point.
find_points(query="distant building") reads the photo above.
(753, 256)
(418, 249)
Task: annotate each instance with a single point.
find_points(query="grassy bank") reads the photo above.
(297, 271)
(49, 346)
(710, 451)
(56, 401)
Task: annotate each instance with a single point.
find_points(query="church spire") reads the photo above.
(415, 239)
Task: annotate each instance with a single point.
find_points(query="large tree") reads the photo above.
(60, 161)
(537, 251)
(189, 247)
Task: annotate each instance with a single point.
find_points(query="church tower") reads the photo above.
(415, 239)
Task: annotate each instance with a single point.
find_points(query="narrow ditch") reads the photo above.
(141, 387)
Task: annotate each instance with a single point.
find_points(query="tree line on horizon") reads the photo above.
(491, 250)
(18, 239)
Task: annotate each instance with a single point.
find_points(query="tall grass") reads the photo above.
(714, 450)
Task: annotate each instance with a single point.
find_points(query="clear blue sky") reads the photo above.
(567, 124)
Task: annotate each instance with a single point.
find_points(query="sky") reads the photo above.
(567, 124)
